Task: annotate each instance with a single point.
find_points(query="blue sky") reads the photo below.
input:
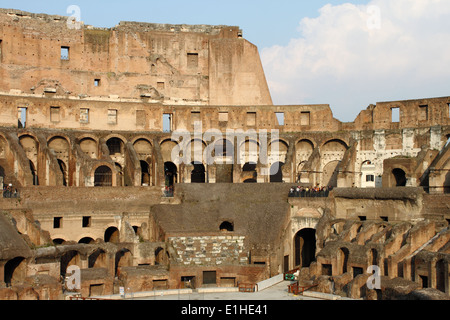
(264, 23)
(348, 54)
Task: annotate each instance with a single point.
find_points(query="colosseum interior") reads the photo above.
(106, 137)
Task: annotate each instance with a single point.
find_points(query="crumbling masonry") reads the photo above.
(96, 178)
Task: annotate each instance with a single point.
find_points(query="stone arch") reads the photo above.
(276, 172)
(161, 256)
(103, 176)
(342, 260)
(305, 247)
(30, 145)
(170, 173)
(196, 147)
(15, 271)
(58, 241)
(278, 150)
(115, 146)
(123, 258)
(399, 176)
(60, 146)
(112, 235)
(330, 173)
(89, 146)
(249, 172)
(303, 150)
(97, 259)
(70, 258)
(198, 174)
(227, 226)
(169, 147)
(86, 240)
(249, 151)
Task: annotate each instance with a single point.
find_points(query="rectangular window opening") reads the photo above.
(305, 118)
(97, 82)
(22, 117)
(362, 218)
(112, 116)
(65, 53)
(385, 218)
(167, 122)
(160, 85)
(192, 60)
(251, 119)
(55, 114)
(423, 113)
(280, 118)
(395, 115)
(57, 222)
(195, 117)
(84, 115)
(370, 178)
(86, 222)
(209, 277)
(1, 45)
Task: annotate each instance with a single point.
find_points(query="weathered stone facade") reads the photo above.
(98, 125)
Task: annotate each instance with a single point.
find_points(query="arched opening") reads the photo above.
(112, 235)
(58, 241)
(198, 174)
(62, 167)
(330, 174)
(343, 255)
(170, 172)
(86, 240)
(224, 148)
(400, 177)
(145, 173)
(89, 147)
(249, 173)
(97, 259)
(276, 172)
(305, 247)
(15, 271)
(441, 275)
(115, 146)
(70, 258)
(103, 177)
(227, 226)
(160, 257)
(123, 258)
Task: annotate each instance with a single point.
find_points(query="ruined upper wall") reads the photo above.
(169, 63)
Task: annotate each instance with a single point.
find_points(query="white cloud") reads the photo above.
(349, 57)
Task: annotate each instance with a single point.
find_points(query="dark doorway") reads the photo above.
(115, 146)
(209, 277)
(198, 175)
(305, 247)
(276, 173)
(170, 172)
(112, 235)
(400, 177)
(15, 270)
(227, 226)
(343, 255)
(103, 177)
(145, 173)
